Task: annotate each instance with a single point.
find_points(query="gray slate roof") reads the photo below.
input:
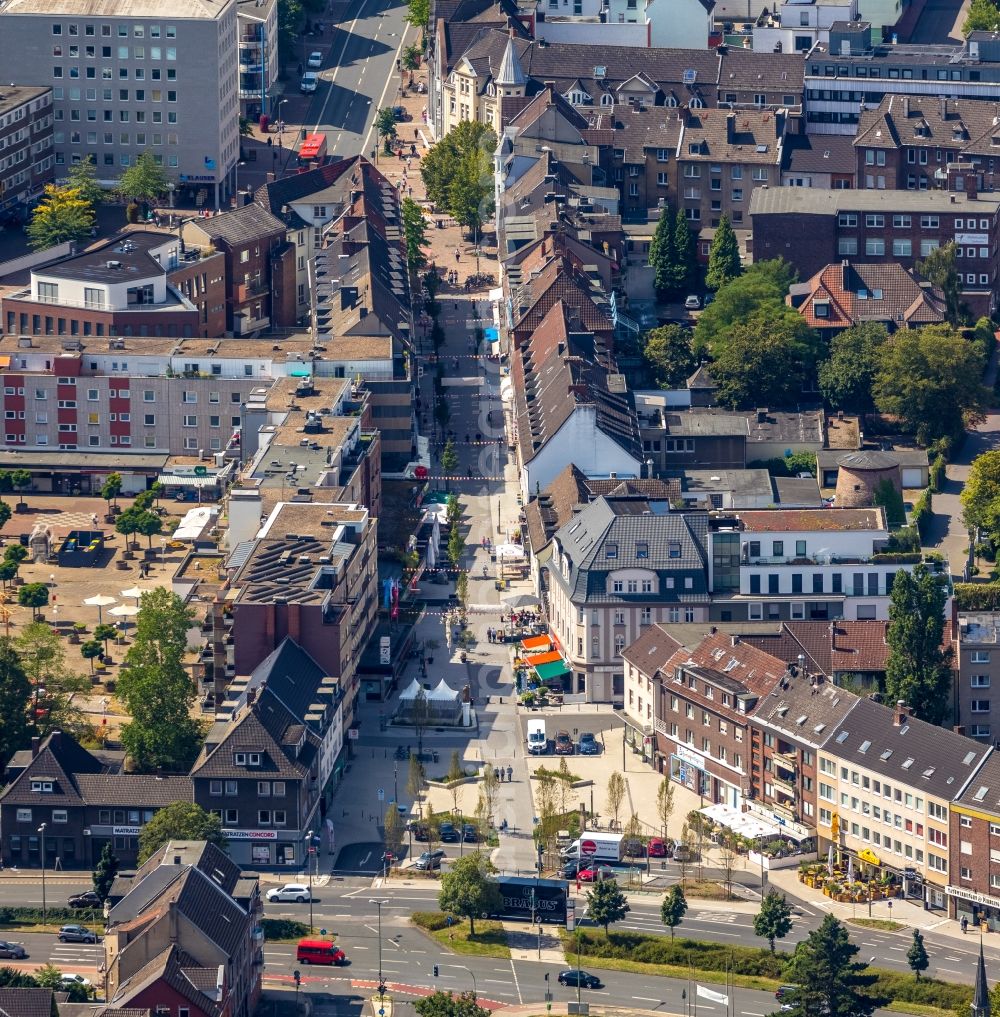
(927, 757)
(27, 1002)
(242, 224)
(806, 711)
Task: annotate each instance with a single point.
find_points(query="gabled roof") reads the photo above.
(510, 74)
(806, 709)
(26, 1002)
(246, 223)
(169, 967)
(966, 126)
(653, 650)
(734, 662)
(60, 759)
(213, 862)
(292, 675)
(741, 136)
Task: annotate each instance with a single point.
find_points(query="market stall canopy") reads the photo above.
(537, 659)
(554, 670)
(512, 551)
(125, 611)
(536, 644)
(133, 593)
(411, 691)
(194, 522)
(100, 600)
(442, 693)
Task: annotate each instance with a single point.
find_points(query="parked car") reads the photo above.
(315, 59)
(76, 934)
(399, 112)
(582, 978)
(420, 831)
(633, 848)
(470, 834)
(659, 848)
(570, 869)
(308, 83)
(71, 978)
(692, 302)
(87, 899)
(290, 892)
(595, 873)
(784, 990)
(447, 834)
(12, 951)
(588, 745)
(564, 744)
(429, 860)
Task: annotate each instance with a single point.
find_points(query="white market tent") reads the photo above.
(194, 522)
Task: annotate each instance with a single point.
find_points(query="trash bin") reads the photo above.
(264, 123)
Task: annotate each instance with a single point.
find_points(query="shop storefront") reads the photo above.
(260, 847)
(690, 768)
(978, 909)
(868, 866)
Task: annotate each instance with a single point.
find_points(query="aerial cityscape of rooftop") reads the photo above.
(499, 508)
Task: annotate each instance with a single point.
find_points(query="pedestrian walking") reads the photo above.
(496, 774)
(458, 257)
(510, 773)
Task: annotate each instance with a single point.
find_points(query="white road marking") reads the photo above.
(513, 971)
(337, 67)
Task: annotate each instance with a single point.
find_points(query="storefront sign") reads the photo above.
(972, 238)
(384, 650)
(125, 831)
(867, 855)
(195, 178)
(690, 756)
(971, 895)
(251, 834)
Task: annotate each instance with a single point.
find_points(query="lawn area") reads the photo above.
(489, 941)
(704, 889)
(882, 924)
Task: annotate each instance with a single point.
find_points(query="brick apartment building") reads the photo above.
(973, 887)
(28, 161)
(140, 284)
(813, 228)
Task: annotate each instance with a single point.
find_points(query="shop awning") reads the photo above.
(538, 644)
(867, 855)
(537, 659)
(554, 670)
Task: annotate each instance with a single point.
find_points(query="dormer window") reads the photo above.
(44, 786)
(240, 758)
(611, 551)
(254, 759)
(822, 309)
(642, 549)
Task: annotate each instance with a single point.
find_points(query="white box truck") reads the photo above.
(596, 847)
(538, 741)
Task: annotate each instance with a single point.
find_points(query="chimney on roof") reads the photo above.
(802, 663)
(959, 729)
(736, 640)
(944, 107)
(901, 712)
(511, 31)
(906, 105)
(55, 739)
(713, 630)
(35, 745)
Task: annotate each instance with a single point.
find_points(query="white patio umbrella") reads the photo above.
(124, 611)
(100, 601)
(133, 593)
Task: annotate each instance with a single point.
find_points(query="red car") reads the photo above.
(656, 848)
(595, 873)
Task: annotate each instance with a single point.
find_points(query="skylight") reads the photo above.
(908, 762)
(842, 737)
(969, 756)
(981, 794)
(886, 754)
(865, 745)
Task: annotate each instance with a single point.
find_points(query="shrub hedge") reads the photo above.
(923, 513)
(432, 921)
(283, 928)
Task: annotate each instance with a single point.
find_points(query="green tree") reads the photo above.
(144, 181)
(441, 165)
(766, 361)
(15, 553)
(983, 16)
(8, 570)
(127, 523)
(155, 688)
(981, 495)
(43, 657)
(723, 256)
(414, 234)
(759, 291)
(887, 495)
(385, 125)
(456, 546)
(669, 353)
(449, 460)
(90, 649)
(673, 907)
(105, 871)
(411, 60)
(685, 255)
(918, 670)
(21, 481)
(446, 1004)
(392, 831)
(15, 695)
(418, 14)
(180, 821)
(462, 589)
(33, 595)
(664, 804)
(662, 259)
(931, 379)
(104, 632)
(615, 794)
(940, 267)
(916, 956)
(61, 215)
(48, 976)
(112, 488)
(606, 903)
(468, 889)
(83, 177)
(11, 978)
(5, 513)
(470, 193)
(828, 980)
(846, 379)
(774, 920)
(149, 524)
(415, 778)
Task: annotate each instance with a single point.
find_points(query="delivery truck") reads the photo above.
(594, 846)
(524, 897)
(538, 740)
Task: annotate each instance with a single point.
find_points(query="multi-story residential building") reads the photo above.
(260, 267)
(909, 141)
(825, 161)
(85, 802)
(257, 22)
(309, 574)
(886, 783)
(702, 701)
(184, 932)
(849, 72)
(977, 651)
(797, 25)
(27, 162)
(841, 295)
(129, 78)
(723, 156)
(615, 568)
(686, 24)
(973, 886)
(141, 284)
(813, 228)
(803, 564)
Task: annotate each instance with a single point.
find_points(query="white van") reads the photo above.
(538, 742)
(308, 82)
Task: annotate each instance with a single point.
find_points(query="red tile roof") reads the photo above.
(805, 520)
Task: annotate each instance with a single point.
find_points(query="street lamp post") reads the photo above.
(381, 982)
(309, 851)
(41, 831)
(236, 181)
(281, 124)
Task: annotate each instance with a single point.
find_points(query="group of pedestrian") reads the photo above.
(494, 635)
(498, 772)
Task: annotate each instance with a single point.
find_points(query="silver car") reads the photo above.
(12, 951)
(76, 934)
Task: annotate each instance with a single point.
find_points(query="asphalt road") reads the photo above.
(359, 75)
(940, 21)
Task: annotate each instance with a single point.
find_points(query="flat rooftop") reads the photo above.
(12, 96)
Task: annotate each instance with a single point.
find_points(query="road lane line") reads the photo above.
(381, 102)
(517, 986)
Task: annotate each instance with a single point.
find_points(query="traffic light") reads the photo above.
(435, 971)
